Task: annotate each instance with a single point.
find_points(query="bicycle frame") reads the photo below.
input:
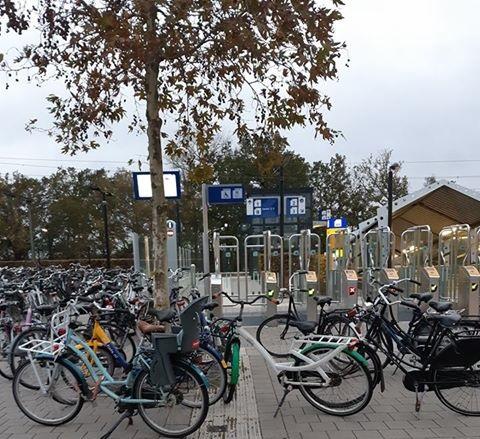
(312, 365)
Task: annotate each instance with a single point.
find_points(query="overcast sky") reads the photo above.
(412, 86)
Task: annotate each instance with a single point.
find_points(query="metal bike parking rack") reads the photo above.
(305, 281)
(341, 275)
(270, 282)
(377, 249)
(224, 244)
(459, 278)
(416, 248)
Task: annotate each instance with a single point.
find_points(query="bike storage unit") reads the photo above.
(416, 260)
(341, 274)
(307, 280)
(226, 260)
(459, 278)
(377, 252)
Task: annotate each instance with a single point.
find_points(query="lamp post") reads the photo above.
(105, 222)
(392, 170)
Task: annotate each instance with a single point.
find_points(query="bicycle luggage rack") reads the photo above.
(59, 329)
(334, 339)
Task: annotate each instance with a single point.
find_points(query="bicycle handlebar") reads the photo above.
(244, 302)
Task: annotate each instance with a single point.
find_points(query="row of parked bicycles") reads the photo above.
(70, 336)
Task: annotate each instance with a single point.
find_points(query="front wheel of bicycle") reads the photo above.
(176, 410)
(276, 334)
(350, 385)
(232, 358)
(458, 389)
(209, 362)
(48, 391)
(5, 345)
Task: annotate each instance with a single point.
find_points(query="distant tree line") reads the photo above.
(67, 219)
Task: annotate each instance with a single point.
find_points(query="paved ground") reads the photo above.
(390, 415)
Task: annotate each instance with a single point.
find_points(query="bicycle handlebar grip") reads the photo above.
(413, 281)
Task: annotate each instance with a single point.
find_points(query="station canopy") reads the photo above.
(438, 205)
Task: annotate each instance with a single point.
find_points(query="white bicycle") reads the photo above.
(330, 374)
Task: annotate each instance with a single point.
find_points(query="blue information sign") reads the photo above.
(337, 223)
(226, 194)
(263, 207)
(295, 205)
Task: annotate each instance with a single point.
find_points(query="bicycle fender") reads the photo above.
(350, 352)
(193, 366)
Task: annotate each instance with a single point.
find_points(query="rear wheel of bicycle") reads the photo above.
(18, 356)
(335, 324)
(458, 389)
(5, 345)
(177, 410)
(209, 363)
(350, 388)
(276, 335)
(232, 358)
(59, 402)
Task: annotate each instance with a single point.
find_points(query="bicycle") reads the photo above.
(446, 362)
(161, 384)
(327, 370)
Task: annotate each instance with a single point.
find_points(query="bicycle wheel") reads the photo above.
(335, 324)
(276, 335)
(59, 402)
(458, 389)
(177, 410)
(232, 358)
(16, 355)
(210, 364)
(5, 344)
(350, 388)
(123, 341)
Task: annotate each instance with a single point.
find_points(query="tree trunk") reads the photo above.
(159, 205)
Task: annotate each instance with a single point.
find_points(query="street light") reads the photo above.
(105, 222)
(392, 170)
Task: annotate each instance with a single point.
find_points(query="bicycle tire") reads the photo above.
(444, 399)
(344, 408)
(18, 383)
(232, 357)
(214, 363)
(180, 369)
(265, 335)
(5, 345)
(336, 324)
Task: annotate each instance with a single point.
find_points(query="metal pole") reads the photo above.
(33, 255)
(390, 207)
(206, 252)
(281, 191)
(107, 231)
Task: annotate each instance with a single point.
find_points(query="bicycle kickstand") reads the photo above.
(286, 391)
(419, 398)
(127, 414)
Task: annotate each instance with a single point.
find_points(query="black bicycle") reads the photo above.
(277, 332)
(447, 360)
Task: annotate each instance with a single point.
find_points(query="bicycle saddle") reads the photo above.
(441, 306)
(446, 320)
(306, 326)
(323, 300)
(162, 315)
(422, 297)
(146, 328)
(45, 310)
